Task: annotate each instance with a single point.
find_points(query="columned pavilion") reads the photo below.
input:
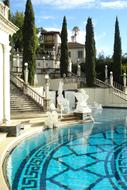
(6, 29)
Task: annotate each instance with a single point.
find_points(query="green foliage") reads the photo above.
(117, 57)
(123, 69)
(29, 41)
(90, 54)
(124, 59)
(17, 39)
(101, 61)
(64, 49)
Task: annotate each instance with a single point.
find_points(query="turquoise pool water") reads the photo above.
(78, 157)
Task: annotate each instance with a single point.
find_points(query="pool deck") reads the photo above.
(33, 124)
(8, 143)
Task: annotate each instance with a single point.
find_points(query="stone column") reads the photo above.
(6, 84)
(43, 58)
(47, 86)
(53, 53)
(26, 73)
(70, 66)
(18, 63)
(106, 73)
(1, 83)
(79, 71)
(125, 83)
(46, 98)
(111, 78)
(25, 78)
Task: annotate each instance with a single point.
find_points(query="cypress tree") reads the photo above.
(64, 49)
(29, 42)
(17, 39)
(117, 57)
(90, 54)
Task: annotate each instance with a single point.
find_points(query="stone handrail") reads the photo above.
(117, 91)
(101, 83)
(117, 85)
(27, 89)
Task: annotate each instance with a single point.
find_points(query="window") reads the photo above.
(39, 64)
(80, 54)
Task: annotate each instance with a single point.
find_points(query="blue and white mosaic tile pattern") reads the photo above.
(81, 157)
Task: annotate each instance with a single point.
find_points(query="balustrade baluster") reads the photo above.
(33, 94)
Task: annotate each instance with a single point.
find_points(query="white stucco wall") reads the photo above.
(74, 55)
(106, 97)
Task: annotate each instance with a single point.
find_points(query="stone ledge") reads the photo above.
(12, 130)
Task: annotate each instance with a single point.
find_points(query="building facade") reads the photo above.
(50, 41)
(76, 52)
(6, 29)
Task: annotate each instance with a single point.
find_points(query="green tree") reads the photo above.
(17, 39)
(29, 41)
(117, 54)
(64, 49)
(90, 54)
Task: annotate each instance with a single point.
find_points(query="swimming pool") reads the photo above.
(78, 157)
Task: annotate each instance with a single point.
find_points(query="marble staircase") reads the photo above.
(22, 103)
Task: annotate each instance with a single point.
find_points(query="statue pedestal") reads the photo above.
(87, 117)
(46, 104)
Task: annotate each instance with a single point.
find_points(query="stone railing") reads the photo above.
(101, 83)
(27, 89)
(4, 10)
(119, 93)
(117, 88)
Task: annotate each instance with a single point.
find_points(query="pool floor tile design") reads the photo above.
(90, 156)
(87, 162)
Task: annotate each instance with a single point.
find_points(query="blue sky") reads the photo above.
(49, 15)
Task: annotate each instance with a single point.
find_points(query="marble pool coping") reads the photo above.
(10, 142)
(7, 145)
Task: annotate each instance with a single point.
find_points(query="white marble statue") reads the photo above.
(97, 106)
(52, 119)
(63, 103)
(82, 98)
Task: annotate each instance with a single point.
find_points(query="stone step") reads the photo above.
(26, 110)
(22, 103)
(70, 118)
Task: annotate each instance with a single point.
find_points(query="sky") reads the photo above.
(49, 15)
